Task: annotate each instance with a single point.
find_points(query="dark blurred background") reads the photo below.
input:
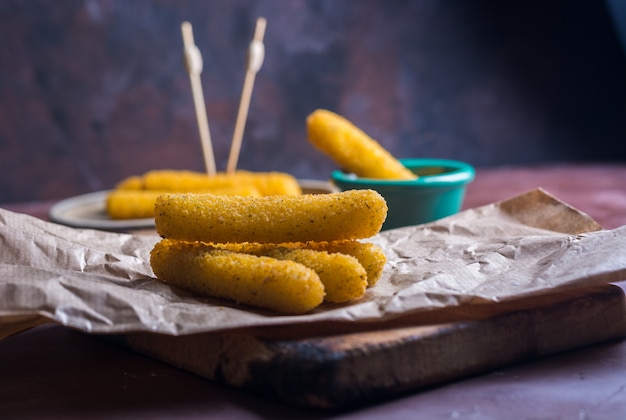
(92, 91)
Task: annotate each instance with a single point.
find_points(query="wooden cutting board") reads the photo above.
(328, 366)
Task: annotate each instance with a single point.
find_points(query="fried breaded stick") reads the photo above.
(343, 276)
(352, 149)
(283, 286)
(350, 214)
(371, 256)
(267, 183)
(133, 204)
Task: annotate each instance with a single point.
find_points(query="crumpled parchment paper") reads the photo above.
(101, 282)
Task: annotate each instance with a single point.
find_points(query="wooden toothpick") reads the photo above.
(193, 62)
(256, 54)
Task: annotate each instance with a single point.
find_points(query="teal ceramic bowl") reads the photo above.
(438, 191)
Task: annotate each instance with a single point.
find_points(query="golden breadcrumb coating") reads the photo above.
(267, 183)
(343, 276)
(350, 214)
(284, 286)
(371, 256)
(352, 149)
(133, 204)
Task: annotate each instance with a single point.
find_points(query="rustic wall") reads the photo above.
(95, 90)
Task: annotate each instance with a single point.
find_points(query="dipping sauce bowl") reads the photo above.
(438, 191)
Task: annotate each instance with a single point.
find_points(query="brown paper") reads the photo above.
(101, 282)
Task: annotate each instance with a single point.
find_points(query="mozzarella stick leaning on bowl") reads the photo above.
(352, 149)
(283, 286)
(343, 276)
(352, 214)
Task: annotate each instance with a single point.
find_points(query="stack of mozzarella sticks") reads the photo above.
(284, 253)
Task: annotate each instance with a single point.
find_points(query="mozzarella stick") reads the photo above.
(271, 183)
(352, 149)
(343, 276)
(369, 255)
(350, 214)
(133, 204)
(283, 286)
(267, 183)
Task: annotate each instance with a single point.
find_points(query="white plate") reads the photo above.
(89, 211)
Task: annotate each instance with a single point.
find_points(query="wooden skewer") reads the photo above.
(256, 54)
(193, 62)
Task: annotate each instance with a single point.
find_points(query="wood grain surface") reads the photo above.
(352, 368)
